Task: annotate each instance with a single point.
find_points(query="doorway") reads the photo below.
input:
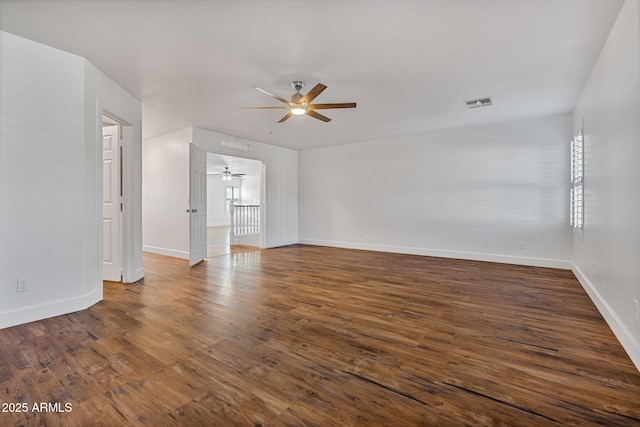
(234, 205)
(112, 198)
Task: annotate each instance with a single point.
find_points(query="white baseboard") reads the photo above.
(624, 335)
(219, 224)
(247, 240)
(474, 256)
(45, 310)
(164, 251)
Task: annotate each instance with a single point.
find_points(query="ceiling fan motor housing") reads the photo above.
(297, 85)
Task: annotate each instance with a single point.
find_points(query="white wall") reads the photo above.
(606, 254)
(50, 172)
(216, 200)
(445, 193)
(41, 179)
(250, 185)
(165, 195)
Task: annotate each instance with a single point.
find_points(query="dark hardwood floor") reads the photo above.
(319, 336)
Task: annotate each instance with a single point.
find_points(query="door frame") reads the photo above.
(127, 261)
(263, 195)
(263, 204)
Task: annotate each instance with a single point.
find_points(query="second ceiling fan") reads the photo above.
(301, 104)
(227, 175)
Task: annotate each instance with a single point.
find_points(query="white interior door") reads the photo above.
(112, 269)
(197, 204)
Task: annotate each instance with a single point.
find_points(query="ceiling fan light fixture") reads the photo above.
(298, 110)
(226, 174)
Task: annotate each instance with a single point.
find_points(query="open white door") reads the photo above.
(197, 204)
(111, 203)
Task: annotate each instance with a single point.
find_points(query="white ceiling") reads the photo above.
(409, 64)
(217, 162)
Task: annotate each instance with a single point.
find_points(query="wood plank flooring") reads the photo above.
(316, 336)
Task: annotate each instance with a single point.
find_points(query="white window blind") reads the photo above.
(577, 181)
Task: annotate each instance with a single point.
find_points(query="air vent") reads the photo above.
(479, 102)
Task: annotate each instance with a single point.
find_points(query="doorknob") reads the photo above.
(194, 210)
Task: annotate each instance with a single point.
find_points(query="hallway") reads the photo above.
(219, 243)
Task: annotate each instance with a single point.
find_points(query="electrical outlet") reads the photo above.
(523, 245)
(487, 243)
(637, 309)
(23, 284)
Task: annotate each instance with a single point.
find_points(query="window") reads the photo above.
(232, 195)
(577, 181)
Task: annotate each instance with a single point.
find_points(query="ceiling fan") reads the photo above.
(301, 104)
(227, 175)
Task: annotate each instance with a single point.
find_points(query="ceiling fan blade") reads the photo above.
(313, 93)
(328, 106)
(238, 174)
(285, 117)
(266, 92)
(265, 108)
(318, 116)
